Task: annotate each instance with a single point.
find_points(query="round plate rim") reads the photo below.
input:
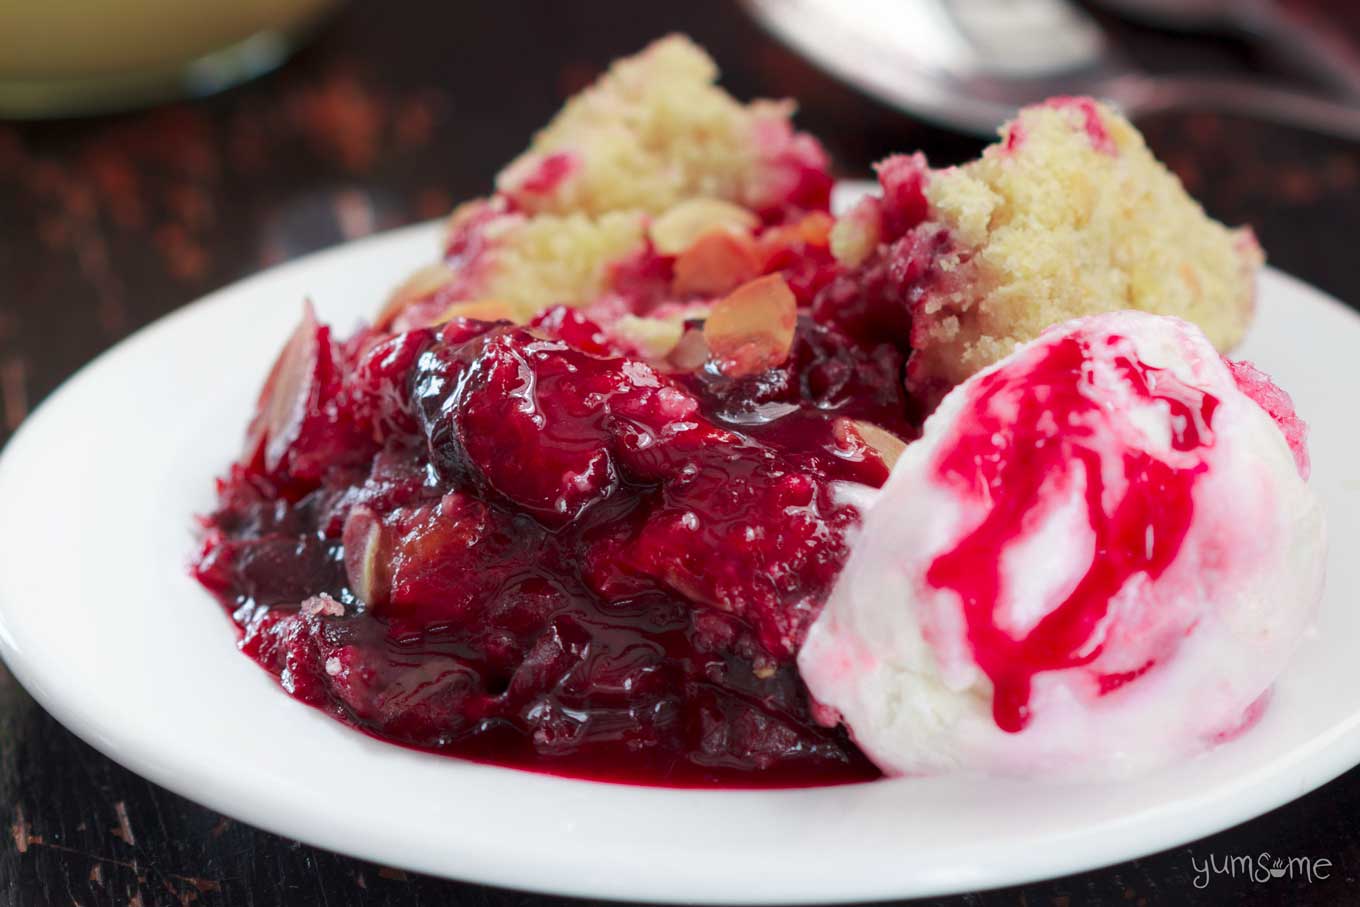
(1127, 837)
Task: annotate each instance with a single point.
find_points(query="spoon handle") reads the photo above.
(1141, 95)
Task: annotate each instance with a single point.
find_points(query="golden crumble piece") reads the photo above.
(1070, 214)
(655, 130)
(653, 161)
(526, 263)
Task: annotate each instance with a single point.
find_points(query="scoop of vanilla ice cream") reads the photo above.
(1096, 560)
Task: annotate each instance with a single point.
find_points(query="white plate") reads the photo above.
(100, 621)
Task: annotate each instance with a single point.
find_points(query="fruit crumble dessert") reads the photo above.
(582, 497)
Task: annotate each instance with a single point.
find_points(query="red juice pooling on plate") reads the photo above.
(1022, 434)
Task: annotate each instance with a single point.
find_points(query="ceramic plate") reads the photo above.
(100, 621)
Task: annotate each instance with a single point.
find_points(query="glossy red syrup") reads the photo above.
(1039, 422)
(582, 565)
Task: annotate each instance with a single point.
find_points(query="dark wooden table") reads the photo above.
(396, 111)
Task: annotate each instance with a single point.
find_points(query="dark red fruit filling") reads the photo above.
(509, 544)
(874, 301)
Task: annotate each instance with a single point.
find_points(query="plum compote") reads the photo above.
(514, 544)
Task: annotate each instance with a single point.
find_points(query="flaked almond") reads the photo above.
(419, 286)
(751, 329)
(690, 352)
(812, 230)
(880, 441)
(367, 551)
(283, 400)
(715, 263)
(479, 310)
(678, 227)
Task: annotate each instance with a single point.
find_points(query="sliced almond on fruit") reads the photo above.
(690, 352)
(813, 230)
(423, 284)
(479, 310)
(678, 227)
(714, 263)
(884, 443)
(283, 400)
(367, 551)
(751, 329)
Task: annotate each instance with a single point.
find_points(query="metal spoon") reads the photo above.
(1291, 36)
(970, 64)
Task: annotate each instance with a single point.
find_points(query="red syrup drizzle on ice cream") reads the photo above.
(1025, 427)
